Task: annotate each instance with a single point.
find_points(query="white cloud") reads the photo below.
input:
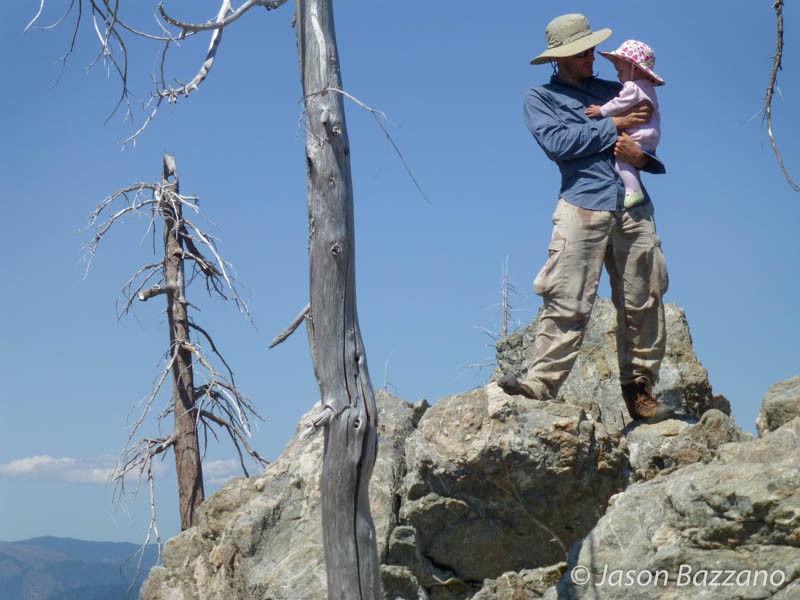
(35, 465)
(59, 469)
(88, 474)
(220, 471)
(99, 470)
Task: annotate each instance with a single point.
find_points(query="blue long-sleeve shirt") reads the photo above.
(583, 148)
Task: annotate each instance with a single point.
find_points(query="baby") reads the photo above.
(634, 62)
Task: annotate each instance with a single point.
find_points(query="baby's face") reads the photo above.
(624, 69)
(627, 71)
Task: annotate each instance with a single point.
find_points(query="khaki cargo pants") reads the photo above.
(583, 240)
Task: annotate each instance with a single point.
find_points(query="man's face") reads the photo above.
(578, 67)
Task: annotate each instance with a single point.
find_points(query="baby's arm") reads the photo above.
(625, 100)
(594, 111)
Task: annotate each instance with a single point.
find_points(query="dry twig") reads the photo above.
(379, 117)
(298, 320)
(773, 81)
(114, 32)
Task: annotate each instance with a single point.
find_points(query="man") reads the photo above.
(592, 228)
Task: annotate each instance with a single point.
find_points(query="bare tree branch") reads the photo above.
(318, 421)
(481, 366)
(142, 451)
(213, 274)
(172, 94)
(152, 292)
(148, 402)
(282, 337)
(133, 204)
(221, 23)
(773, 80)
(379, 117)
(149, 200)
(152, 530)
(237, 438)
(386, 384)
(129, 293)
(63, 59)
(35, 18)
(112, 31)
(139, 459)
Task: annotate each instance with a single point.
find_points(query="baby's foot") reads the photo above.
(633, 198)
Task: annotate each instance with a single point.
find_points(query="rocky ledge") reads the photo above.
(490, 496)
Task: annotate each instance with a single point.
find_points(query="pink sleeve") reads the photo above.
(629, 96)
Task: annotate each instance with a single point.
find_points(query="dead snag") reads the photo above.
(349, 412)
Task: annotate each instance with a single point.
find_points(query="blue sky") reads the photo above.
(450, 77)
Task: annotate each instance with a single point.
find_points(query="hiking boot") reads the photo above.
(514, 387)
(641, 404)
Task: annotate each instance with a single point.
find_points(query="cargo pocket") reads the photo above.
(549, 277)
(660, 275)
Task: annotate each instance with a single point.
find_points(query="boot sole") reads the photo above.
(658, 417)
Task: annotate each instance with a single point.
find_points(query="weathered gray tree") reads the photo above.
(196, 409)
(348, 413)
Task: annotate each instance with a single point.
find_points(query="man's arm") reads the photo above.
(636, 115)
(563, 132)
(627, 150)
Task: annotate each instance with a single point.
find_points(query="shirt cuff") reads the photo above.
(654, 165)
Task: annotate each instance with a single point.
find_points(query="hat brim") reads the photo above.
(573, 48)
(649, 72)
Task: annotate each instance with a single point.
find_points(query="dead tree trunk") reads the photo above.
(348, 402)
(216, 404)
(186, 441)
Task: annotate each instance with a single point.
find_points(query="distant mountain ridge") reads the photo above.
(52, 568)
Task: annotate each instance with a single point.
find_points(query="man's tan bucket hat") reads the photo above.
(569, 35)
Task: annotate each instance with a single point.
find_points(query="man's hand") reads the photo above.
(638, 115)
(627, 150)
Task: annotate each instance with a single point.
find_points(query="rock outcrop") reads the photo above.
(593, 383)
(529, 584)
(497, 483)
(261, 538)
(736, 520)
(781, 405)
(669, 445)
(496, 497)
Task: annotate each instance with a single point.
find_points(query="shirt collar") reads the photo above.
(556, 80)
(593, 87)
